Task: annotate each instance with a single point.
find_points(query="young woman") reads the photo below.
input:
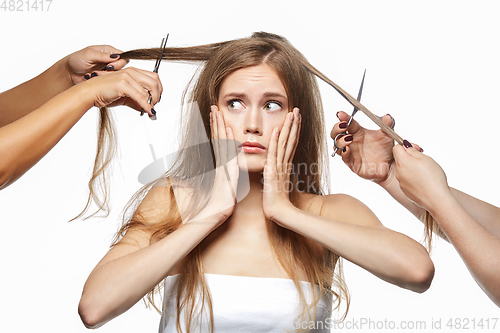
(419, 184)
(255, 244)
(35, 115)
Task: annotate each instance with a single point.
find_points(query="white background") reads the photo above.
(433, 65)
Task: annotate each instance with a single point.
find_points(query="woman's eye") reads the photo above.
(234, 105)
(272, 106)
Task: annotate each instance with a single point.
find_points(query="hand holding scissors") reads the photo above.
(155, 70)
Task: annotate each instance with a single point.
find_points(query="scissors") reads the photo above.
(157, 66)
(360, 92)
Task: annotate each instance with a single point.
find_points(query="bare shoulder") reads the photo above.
(150, 214)
(341, 207)
(152, 211)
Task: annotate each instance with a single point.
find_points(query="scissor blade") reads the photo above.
(360, 92)
(162, 46)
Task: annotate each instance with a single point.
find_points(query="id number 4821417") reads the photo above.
(25, 5)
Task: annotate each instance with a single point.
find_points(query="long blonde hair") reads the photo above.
(294, 252)
(218, 60)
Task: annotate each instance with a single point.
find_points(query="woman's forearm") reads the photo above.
(484, 213)
(30, 95)
(391, 256)
(25, 141)
(115, 286)
(391, 185)
(478, 248)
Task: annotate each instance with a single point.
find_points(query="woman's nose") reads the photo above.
(253, 121)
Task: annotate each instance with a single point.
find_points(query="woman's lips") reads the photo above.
(254, 150)
(252, 147)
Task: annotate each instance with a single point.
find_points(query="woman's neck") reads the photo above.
(250, 186)
(249, 195)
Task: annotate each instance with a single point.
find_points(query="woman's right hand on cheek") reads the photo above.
(223, 193)
(420, 178)
(127, 87)
(368, 153)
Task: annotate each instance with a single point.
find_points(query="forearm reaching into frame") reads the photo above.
(70, 70)
(424, 182)
(478, 248)
(369, 154)
(484, 213)
(25, 141)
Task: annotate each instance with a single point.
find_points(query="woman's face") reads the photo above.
(253, 101)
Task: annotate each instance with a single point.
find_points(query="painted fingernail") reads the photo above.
(153, 117)
(86, 76)
(407, 144)
(348, 138)
(159, 99)
(110, 68)
(94, 74)
(344, 149)
(343, 125)
(421, 149)
(338, 114)
(142, 112)
(114, 55)
(153, 111)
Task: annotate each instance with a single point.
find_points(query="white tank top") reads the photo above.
(244, 304)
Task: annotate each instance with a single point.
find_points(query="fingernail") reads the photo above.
(348, 138)
(407, 144)
(421, 149)
(153, 111)
(114, 55)
(86, 76)
(338, 114)
(153, 117)
(343, 125)
(344, 149)
(142, 112)
(110, 68)
(159, 99)
(94, 74)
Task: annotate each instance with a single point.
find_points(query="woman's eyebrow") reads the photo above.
(274, 94)
(244, 95)
(236, 94)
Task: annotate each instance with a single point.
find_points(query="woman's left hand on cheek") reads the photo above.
(278, 168)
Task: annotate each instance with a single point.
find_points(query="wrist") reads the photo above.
(210, 216)
(81, 97)
(282, 212)
(387, 183)
(439, 201)
(59, 76)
